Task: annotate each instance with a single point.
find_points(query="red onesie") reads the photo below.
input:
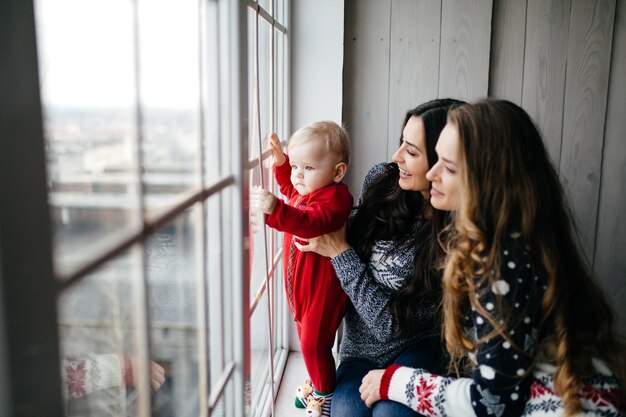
(314, 293)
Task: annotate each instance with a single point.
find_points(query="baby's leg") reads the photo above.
(317, 336)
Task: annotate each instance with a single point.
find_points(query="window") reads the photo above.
(149, 162)
(267, 92)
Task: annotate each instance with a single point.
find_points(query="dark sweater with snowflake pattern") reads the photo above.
(370, 331)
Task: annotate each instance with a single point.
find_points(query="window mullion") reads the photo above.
(140, 300)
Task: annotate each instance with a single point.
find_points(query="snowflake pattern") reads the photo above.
(424, 390)
(84, 375)
(491, 402)
(530, 340)
(602, 398)
(410, 391)
(388, 265)
(76, 378)
(440, 398)
(425, 393)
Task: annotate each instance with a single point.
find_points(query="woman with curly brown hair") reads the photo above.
(522, 314)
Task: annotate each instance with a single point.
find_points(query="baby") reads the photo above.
(310, 175)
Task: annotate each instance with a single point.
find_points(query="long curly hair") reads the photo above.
(508, 184)
(387, 212)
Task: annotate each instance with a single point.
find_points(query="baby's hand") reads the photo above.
(274, 143)
(262, 200)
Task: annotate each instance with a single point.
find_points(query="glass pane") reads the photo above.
(265, 4)
(280, 87)
(87, 89)
(260, 235)
(264, 77)
(281, 312)
(220, 292)
(258, 85)
(216, 163)
(261, 254)
(217, 287)
(259, 336)
(172, 256)
(98, 324)
(279, 11)
(170, 97)
(227, 402)
(253, 113)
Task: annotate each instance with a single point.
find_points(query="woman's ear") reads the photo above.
(340, 171)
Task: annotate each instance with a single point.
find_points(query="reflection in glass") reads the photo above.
(87, 89)
(172, 271)
(97, 328)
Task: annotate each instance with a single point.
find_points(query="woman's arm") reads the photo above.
(369, 298)
(421, 391)
(87, 374)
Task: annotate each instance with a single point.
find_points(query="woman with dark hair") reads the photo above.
(522, 313)
(386, 260)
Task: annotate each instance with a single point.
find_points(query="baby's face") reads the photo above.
(312, 166)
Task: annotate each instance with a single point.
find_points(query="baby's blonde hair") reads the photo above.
(334, 138)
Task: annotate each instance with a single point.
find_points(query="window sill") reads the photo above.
(295, 374)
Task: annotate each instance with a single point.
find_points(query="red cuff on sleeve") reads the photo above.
(386, 380)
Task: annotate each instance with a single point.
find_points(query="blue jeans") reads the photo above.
(347, 402)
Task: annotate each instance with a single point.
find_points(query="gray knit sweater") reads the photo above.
(370, 331)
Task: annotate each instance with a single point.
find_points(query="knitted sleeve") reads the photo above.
(82, 376)
(500, 383)
(369, 298)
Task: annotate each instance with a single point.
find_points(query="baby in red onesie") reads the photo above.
(310, 175)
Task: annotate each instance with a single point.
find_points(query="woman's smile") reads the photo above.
(435, 193)
(405, 174)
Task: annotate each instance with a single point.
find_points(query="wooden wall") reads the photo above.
(564, 61)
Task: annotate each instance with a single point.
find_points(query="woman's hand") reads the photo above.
(370, 387)
(329, 245)
(130, 368)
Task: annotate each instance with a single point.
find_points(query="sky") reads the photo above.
(86, 52)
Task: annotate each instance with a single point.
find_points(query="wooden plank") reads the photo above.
(366, 85)
(507, 50)
(414, 60)
(588, 63)
(610, 253)
(544, 68)
(465, 45)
